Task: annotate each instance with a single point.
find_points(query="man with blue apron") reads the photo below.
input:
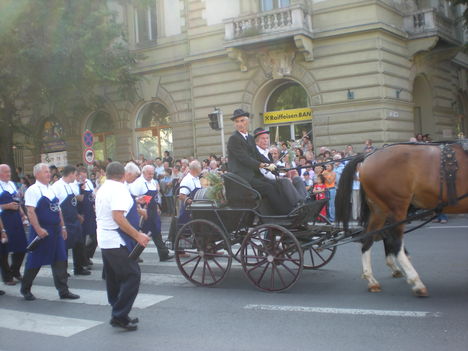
(86, 209)
(189, 185)
(117, 220)
(13, 218)
(66, 191)
(146, 187)
(47, 224)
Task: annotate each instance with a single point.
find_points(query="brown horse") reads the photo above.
(392, 179)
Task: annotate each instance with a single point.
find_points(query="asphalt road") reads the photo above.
(328, 309)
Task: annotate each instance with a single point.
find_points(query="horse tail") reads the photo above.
(345, 189)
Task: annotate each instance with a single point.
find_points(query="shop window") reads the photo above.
(288, 96)
(145, 23)
(268, 5)
(153, 133)
(101, 125)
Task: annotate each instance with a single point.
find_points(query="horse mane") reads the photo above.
(345, 188)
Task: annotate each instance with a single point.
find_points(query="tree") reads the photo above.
(58, 57)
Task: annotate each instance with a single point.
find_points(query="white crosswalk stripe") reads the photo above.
(87, 296)
(44, 323)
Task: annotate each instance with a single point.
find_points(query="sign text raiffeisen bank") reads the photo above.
(298, 114)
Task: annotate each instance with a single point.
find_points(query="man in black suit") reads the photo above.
(290, 190)
(242, 160)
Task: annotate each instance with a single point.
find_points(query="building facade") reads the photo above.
(340, 70)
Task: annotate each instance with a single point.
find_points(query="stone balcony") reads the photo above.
(430, 22)
(267, 26)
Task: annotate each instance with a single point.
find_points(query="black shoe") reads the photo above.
(89, 262)
(127, 325)
(81, 271)
(166, 258)
(140, 260)
(2, 292)
(133, 320)
(70, 296)
(28, 296)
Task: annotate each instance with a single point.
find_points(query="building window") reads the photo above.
(153, 133)
(288, 96)
(145, 23)
(101, 125)
(268, 5)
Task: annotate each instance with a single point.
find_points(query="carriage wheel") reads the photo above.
(314, 257)
(209, 256)
(271, 257)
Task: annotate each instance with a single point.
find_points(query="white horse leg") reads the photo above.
(412, 276)
(373, 285)
(391, 262)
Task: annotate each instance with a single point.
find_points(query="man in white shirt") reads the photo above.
(48, 226)
(284, 185)
(13, 219)
(86, 209)
(114, 232)
(146, 186)
(67, 192)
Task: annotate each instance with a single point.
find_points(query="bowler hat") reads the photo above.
(239, 113)
(260, 131)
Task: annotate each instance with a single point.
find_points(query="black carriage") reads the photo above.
(272, 249)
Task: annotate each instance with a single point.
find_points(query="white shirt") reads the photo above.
(190, 182)
(88, 185)
(62, 189)
(36, 191)
(266, 173)
(141, 186)
(112, 196)
(8, 186)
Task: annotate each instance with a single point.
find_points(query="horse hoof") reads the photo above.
(421, 292)
(374, 288)
(397, 274)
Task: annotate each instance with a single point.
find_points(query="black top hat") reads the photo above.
(260, 131)
(239, 113)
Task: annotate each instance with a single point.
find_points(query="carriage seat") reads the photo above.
(239, 193)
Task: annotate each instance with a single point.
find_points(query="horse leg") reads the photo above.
(391, 259)
(375, 222)
(412, 277)
(373, 285)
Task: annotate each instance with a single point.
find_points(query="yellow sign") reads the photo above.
(298, 114)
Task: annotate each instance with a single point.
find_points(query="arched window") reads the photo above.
(153, 133)
(288, 96)
(101, 125)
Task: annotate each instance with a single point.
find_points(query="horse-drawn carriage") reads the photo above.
(273, 250)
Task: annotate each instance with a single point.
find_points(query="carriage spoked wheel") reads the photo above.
(314, 257)
(209, 256)
(271, 257)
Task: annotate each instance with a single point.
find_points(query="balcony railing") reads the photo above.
(266, 25)
(429, 22)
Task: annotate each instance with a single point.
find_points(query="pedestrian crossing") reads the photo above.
(56, 325)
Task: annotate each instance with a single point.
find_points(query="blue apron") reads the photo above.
(153, 223)
(52, 247)
(13, 224)
(70, 217)
(134, 219)
(86, 209)
(184, 215)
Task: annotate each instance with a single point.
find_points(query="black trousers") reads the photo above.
(91, 245)
(11, 270)
(122, 276)
(268, 190)
(79, 255)
(59, 272)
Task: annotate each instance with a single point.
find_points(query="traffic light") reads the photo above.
(214, 120)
